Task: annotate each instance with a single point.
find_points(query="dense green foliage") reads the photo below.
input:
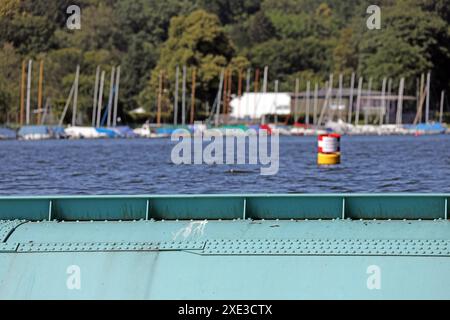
(305, 39)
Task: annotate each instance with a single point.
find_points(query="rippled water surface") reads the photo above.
(370, 164)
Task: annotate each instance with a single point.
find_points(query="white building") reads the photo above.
(257, 105)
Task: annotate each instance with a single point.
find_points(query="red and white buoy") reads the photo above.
(329, 149)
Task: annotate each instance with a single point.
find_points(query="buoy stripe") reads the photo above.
(329, 144)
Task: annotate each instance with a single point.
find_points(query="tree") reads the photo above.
(9, 7)
(288, 56)
(410, 42)
(304, 39)
(139, 60)
(9, 81)
(231, 11)
(260, 28)
(100, 30)
(149, 18)
(197, 41)
(345, 54)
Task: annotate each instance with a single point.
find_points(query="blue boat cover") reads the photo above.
(58, 132)
(27, 130)
(126, 132)
(110, 133)
(424, 127)
(165, 131)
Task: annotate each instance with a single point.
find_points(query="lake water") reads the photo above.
(115, 167)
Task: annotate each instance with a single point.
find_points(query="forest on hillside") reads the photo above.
(297, 39)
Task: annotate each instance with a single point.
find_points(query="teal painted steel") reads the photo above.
(27, 208)
(197, 207)
(71, 209)
(225, 247)
(226, 207)
(295, 207)
(33, 247)
(7, 227)
(398, 207)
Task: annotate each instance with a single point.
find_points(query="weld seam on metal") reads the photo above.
(8, 227)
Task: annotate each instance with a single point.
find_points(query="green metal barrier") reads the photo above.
(225, 247)
(226, 207)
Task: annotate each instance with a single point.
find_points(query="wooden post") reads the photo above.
(400, 102)
(75, 97)
(230, 86)
(247, 90)
(225, 92)
(41, 80)
(183, 97)
(308, 102)
(276, 87)
(330, 99)
(316, 102)
(240, 83)
(95, 100)
(358, 101)
(111, 95)
(327, 99)
(30, 66)
(247, 85)
(368, 102)
(160, 91)
(116, 97)
(239, 93)
(350, 104)
(266, 77)
(388, 111)
(427, 108)
(325, 103)
(66, 107)
(100, 99)
(255, 98)
(421, 95)
(22, 93)
(297, 92)
(45, 112)
(417, 94)
(219, 97)
(175, 106)
(441, 110)
(383, 101)
(341, 85)
(421, 104)
(194, 78)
